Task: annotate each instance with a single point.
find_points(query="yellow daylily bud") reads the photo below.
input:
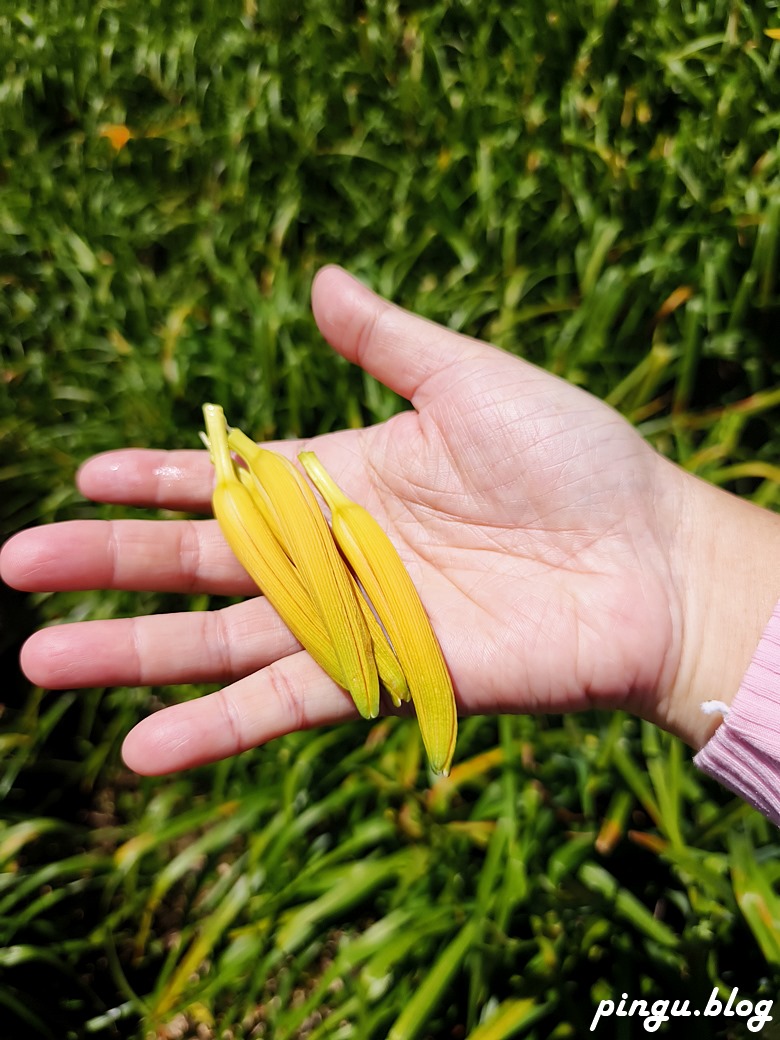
(305, 534)
(260, 554)
(387, 665)
(381, 572)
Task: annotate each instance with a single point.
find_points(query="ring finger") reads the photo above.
(196, 646)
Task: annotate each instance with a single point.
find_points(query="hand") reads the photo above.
(546, 538)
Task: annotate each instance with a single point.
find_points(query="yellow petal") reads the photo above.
(306, 535)
(390, 671)
(260, 554)
(117, 133)
(382, 574)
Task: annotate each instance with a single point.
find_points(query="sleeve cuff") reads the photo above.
(744, 752)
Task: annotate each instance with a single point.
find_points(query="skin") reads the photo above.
(563, 563)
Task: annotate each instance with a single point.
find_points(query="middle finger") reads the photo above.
(136, 555)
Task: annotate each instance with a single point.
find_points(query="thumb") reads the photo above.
(401, 350)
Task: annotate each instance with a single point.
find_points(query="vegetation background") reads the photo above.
(595, 186)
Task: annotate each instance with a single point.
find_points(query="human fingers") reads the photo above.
(151, 555)
(176, 480)
(143, 477)
(289, 695)
(195, 646)
(411, 355)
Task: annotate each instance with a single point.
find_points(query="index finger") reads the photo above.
(178, 480)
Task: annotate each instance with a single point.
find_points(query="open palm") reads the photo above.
(534, 522)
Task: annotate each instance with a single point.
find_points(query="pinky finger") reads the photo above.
(289, 695)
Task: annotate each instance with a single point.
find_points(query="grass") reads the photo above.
(594, 186)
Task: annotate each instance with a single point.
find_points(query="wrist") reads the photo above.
(727, 570)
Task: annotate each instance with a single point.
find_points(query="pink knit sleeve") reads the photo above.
(744, 752)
